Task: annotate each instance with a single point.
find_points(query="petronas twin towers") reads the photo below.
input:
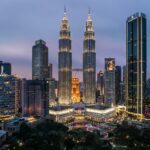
(65, 63)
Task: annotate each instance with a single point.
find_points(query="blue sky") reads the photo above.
(24, 21)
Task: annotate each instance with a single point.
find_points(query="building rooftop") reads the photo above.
(136, 15)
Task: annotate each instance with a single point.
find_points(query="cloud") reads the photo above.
(23, 22)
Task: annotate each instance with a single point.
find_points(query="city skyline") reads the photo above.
(19, 30)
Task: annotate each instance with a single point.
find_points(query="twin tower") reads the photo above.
(65, 63)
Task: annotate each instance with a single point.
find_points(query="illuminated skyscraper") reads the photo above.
(136, 62)
(89, 63)
(40, 60)
(65, 63)
(109, 78)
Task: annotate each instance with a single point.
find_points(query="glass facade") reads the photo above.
(136, 63)
(5, 68)
(40, 60)
(109, 85)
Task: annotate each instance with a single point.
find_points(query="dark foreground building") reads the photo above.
(35, 97)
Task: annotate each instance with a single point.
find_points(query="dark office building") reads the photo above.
(5, 68)
(40, 60)
(136, 62)
(117, 84)
(89, 63)
(35, 97)
(50, 70)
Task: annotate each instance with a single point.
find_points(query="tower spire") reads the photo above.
(89, 14)
(89, 11)
(65, 10)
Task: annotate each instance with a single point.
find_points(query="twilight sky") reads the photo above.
(24, 21)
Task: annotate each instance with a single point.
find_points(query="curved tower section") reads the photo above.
(65, 63)
(89, 63)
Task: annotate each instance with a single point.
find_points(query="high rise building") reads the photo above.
(109, 79)
(35, 97)
(40, 60)
(50, 70)
(8, 94)
(5, 68)
(89, 63)
(136, 62)
(52, 88)
(75, 90)
(100, 83)
(117, 84)
(65, 63)
(148, 88)
(124, 85)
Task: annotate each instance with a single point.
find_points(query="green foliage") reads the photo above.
(49, 135)
(132, 137)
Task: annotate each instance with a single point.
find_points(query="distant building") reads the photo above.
(100, 83)
(3, 136)
(122, 93)
(75, 90)
(89, 63)
(5, 68)
(8, 94)
(148, 88)
(117, 84)
(40, 60)
(109, 79)
(65, 63)
(100, 87)
(52, 88)
(124, 83)
(50, 70)
(136, 62)
(35, 97)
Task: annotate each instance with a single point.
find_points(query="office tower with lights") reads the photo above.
(117, 84)
(136, 62)
(109, 85)
(40, 60)
(35, 97)
(5, 68)
(8, 94)
(65, 63)
(89, 63)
